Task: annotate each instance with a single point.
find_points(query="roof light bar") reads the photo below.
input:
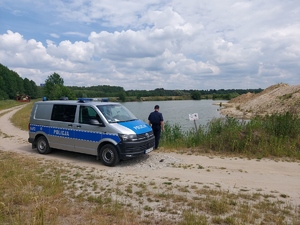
(83, 100)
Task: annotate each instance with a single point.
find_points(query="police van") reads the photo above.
(107, 130)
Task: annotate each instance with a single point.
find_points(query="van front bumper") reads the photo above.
(133, 149)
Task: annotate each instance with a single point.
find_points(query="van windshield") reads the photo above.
(116, 113)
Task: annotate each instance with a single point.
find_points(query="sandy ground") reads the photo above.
(277, 98)
(232, 174)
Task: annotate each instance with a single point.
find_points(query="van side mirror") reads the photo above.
(96, 122)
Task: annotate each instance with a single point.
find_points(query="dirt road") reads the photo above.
(232, 174)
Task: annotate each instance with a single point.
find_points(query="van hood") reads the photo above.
(135, 127)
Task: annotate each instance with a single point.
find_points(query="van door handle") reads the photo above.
(70, 125)
(78, 126)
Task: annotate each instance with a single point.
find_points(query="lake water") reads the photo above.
(177, 112)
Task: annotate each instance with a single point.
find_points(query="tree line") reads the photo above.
(12, 85)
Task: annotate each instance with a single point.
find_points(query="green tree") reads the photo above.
(55, 89)
(20, 84)
(11, 87)
(35, 91)
(28, 89)
(232, 95)
(138, 97)
(3, 94)
(55, 79)
(122, 96)
(62, 92)
(196, 95)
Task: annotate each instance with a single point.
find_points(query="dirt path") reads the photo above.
(233, 174)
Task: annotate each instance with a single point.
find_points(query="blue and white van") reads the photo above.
(105, 129)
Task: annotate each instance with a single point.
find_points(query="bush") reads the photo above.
(274, 135)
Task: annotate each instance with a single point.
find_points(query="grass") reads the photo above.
(6, 104)
(276, 135)
(21, 118)
(35, 191)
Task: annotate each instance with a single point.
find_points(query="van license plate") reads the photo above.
(149, 150)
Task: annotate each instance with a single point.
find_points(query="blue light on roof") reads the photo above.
(92, 99)
(85, 99)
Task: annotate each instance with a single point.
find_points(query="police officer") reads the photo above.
(156, 120)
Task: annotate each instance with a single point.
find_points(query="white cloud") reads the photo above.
(54, 35)
(79, 52)
(149, 44)
(78, 34)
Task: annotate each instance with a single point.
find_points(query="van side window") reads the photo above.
(64, 113)
(43, 111)
(87, 113)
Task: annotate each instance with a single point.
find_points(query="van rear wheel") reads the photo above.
(42, 145)
(109, 155)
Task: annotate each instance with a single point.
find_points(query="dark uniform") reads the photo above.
(156, 119)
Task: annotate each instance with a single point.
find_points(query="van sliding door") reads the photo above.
(62, 127)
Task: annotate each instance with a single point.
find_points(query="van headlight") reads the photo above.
(128, 137)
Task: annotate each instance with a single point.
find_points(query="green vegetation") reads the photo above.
(47, 192)
(34, 192)
(276, 135)
(12, 85)
(54, 88)
(158, 94)
(8, 104)
(21, 118)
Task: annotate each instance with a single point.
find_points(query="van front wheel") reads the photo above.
(42, 145)
(109, 155)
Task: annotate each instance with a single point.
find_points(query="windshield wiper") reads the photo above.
(130, 120)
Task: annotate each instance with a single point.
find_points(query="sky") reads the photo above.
(149, 44)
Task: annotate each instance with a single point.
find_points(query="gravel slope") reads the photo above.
(278, 98)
